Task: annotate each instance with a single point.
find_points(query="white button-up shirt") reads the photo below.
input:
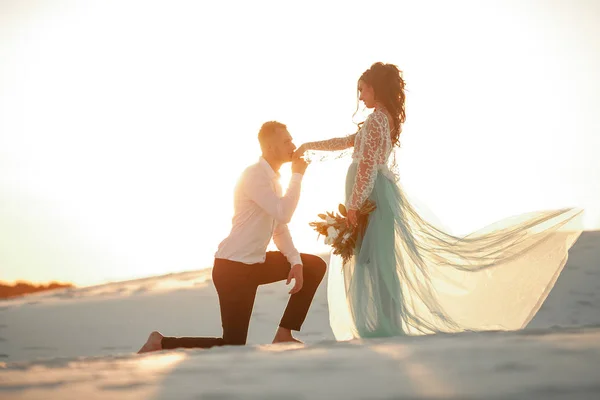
(261, 213)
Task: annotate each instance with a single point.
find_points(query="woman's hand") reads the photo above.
(300, 151)
(352, 217)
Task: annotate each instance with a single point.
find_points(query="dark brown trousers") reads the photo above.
(236, 285)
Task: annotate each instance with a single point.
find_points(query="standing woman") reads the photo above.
(409, 277)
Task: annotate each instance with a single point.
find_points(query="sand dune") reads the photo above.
(77, 343)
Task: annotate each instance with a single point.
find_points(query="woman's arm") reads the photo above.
(329, 145)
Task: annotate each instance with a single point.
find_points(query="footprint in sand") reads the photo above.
(513, 367)
(585, 303)
(141, 290)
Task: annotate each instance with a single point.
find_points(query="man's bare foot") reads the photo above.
(154, 343)
(284, 335)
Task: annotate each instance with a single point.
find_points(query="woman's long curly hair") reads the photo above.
(388, 85)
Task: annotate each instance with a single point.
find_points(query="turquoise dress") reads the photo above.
(408, 277)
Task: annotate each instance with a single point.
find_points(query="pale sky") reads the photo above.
(124, 124)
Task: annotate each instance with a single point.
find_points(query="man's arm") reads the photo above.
(261, 192)
(283, 241)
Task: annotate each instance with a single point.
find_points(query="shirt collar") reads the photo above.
(270, 173)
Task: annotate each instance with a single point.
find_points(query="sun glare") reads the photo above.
(121, 146)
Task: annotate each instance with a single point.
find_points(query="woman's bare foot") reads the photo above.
(154, 343)
(284, 335)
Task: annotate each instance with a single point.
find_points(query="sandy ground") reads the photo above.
(80, 343)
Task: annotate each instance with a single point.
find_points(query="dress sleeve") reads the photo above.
(332, 144)
(368, 155)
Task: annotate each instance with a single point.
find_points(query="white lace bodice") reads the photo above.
(372, 150)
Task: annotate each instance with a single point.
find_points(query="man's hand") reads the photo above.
(296, 275)
(298, 164)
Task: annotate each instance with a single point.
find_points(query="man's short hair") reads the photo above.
(267, 130)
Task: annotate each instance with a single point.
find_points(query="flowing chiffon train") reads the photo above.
(409, 278)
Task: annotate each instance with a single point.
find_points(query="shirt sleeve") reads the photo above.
(369, 153)
(283, 240)
(259, 189)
